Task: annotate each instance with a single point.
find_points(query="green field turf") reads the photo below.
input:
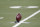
(9, 14)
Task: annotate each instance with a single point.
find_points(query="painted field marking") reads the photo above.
(1, 17)
(23, 6)
(26, 22)
(26, 18)
(23, 22)
(15, 6)
(32, 7)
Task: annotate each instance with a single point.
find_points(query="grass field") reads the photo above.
(9, 14)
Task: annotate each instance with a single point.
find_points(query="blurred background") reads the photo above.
(10, 8)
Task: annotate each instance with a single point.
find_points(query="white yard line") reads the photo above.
(32, 7)
(26, 19)
(26, 22)
(23, 7)
(1, 17)
(15, 6)
(23, 22)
